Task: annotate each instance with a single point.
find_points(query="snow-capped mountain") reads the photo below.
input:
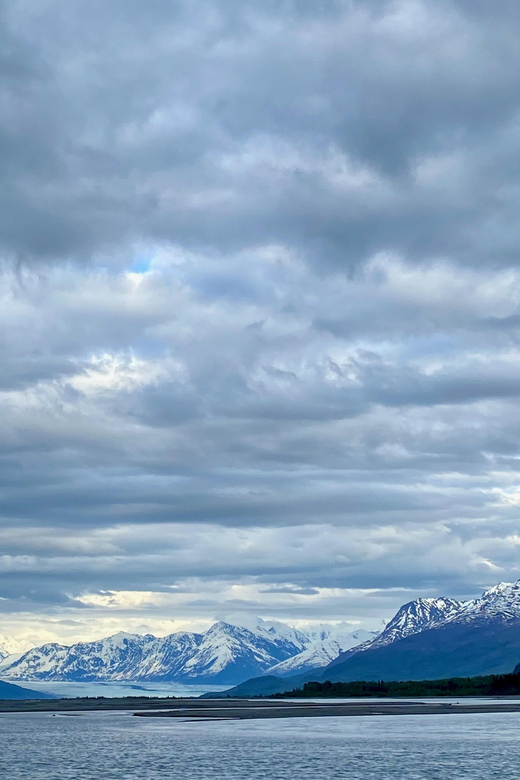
(113, 658)
(163, 658)
(225, 654)
(416, 616)
(427, 639)
(437, 638)
(499, 603)
(228, 650)
(412, 618)
(273, 629)
(229, 653)
(10, 646)
(321, 652)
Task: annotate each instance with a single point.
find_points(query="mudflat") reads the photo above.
(219, 709)
(252, 709)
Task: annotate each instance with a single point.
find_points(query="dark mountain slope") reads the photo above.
(430, 639)
(452, 650)
(257, 686)
(9, 691)
(412, 618)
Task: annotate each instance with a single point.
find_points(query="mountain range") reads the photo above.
(481, 637)
(427, 639)
(225, 654)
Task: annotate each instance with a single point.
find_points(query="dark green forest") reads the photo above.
(493, 685)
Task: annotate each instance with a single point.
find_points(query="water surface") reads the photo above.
(117, 746)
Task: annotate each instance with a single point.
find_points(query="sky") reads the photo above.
(259, 310)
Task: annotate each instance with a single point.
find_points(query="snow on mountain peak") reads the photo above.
(229, 651)
(321, 651)
(500, 602)
(226, 653)
(271, 629)
(507, 593)
(122, 638)
(10, 646)
(416, 616)
(412, 618)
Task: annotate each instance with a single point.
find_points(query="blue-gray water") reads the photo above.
(116, 746)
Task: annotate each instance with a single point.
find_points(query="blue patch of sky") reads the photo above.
(142, 263)
(429, 346)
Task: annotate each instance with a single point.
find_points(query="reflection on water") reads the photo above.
(116, 746)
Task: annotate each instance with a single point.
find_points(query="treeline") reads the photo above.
(493, 685)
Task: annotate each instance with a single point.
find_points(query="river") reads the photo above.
(117, 746)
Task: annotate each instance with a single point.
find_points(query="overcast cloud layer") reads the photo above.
(260, 309)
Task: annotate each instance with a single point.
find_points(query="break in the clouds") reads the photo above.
(260, 309)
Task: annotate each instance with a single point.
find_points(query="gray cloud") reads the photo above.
(259, 316)
(342, 130)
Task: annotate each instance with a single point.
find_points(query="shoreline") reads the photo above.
(254, 709)
(250, 710)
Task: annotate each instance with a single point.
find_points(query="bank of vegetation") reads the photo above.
(493, 685)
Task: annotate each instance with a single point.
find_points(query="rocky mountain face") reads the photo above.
(501, 603)
(411, 618)
(442, 639)
(225, 654)
(427, 639)
(111, 658)
(417, 616)
(321, 652)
